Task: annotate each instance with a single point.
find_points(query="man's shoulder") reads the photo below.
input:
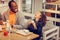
(6, 12)
(20, 13)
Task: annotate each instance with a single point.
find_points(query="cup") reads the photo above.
(5, 33)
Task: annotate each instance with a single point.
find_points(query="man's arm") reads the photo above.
(21, 23)
(5, 16)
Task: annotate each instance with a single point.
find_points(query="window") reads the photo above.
(27, 6)
(3, 1)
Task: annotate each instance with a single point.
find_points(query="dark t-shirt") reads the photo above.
(39, 25)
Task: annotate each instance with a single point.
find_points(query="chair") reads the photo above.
(50, 31)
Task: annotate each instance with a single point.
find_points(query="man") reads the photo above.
(16, 19)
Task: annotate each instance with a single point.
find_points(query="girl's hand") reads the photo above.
(34, 25)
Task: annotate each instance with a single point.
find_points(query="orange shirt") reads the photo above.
(12, 17)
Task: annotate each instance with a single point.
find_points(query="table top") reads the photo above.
(15, 36)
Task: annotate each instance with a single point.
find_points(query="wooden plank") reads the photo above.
(51, 35)
(53, 3)
(51, 11)
(51, 30)
(53, 19)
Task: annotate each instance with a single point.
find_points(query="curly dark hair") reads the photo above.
(43, 19)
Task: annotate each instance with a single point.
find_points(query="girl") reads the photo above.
(37, 24)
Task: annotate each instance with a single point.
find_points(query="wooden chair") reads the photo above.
(50, 31)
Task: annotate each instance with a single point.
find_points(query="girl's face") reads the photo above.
(38, 15)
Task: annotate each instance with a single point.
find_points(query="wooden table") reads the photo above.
(15, 36)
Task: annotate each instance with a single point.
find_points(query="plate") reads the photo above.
(23, 32)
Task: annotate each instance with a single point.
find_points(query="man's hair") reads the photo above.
(9, 4)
